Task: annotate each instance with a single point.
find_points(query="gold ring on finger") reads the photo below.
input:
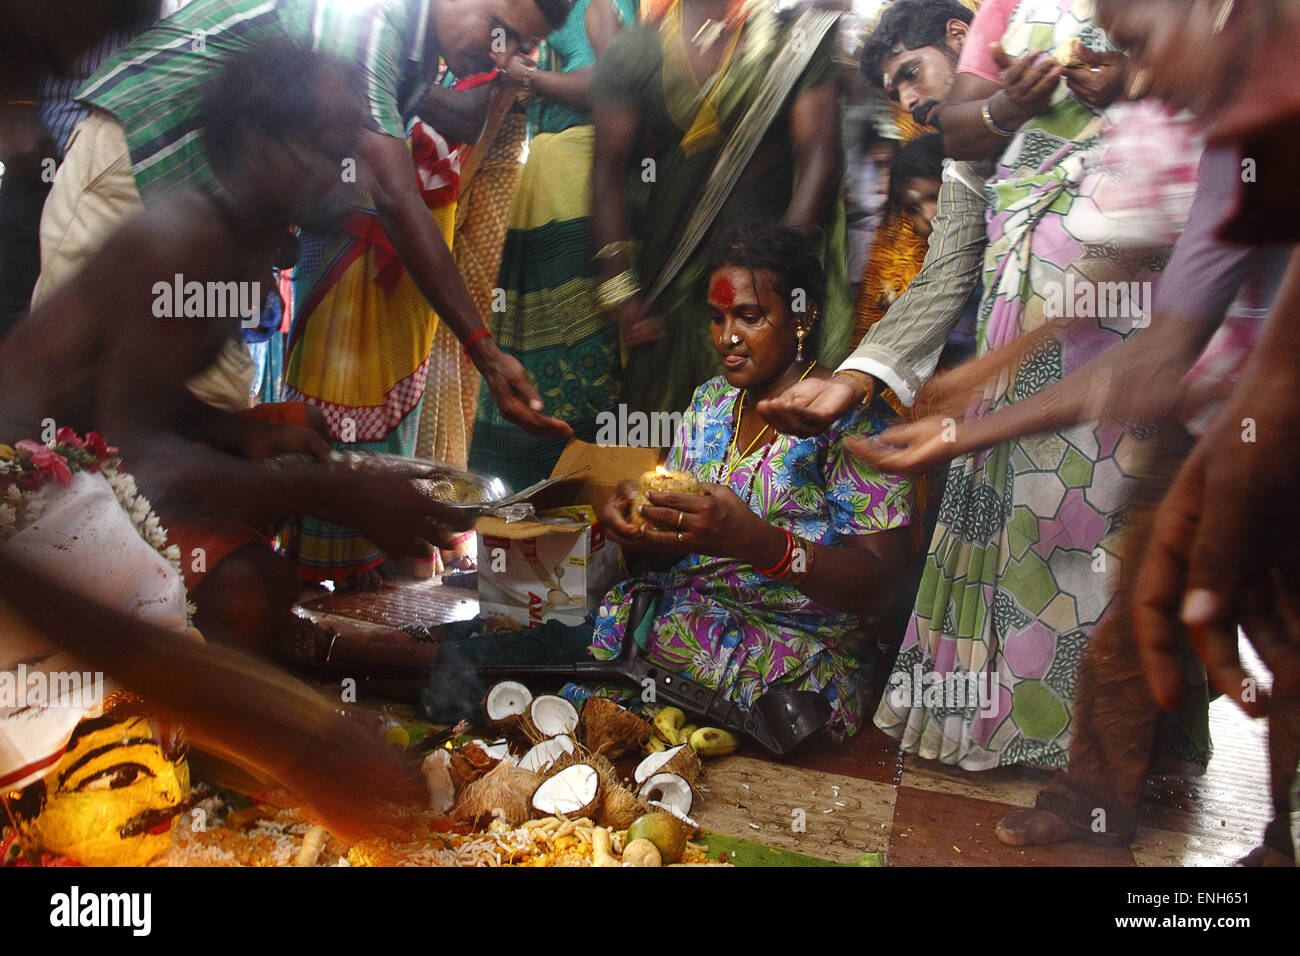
(681, 516)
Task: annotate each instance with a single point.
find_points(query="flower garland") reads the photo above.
(27, 467)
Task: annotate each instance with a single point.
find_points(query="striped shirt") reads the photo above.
(903, 348)
(153, 86)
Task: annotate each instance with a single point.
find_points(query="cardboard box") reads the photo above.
(560, 566)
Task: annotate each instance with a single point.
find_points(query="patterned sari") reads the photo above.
(551, 321)
(721, 622)
(359, 350)
(1025, 557)
(684, 126)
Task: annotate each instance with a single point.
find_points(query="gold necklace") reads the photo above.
(732, 461)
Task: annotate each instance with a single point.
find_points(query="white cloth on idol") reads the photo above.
(84, 540)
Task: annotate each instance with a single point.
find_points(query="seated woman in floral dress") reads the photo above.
(774, 574)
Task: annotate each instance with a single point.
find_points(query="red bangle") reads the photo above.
(476, 337)
(780, 567)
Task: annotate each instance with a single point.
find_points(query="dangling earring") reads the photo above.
(799, 333)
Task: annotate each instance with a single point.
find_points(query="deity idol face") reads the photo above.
(112, 799)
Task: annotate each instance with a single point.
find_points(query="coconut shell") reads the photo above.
(606, 728)
(619, 807)
(462, 771)
(591, 809)
(478, 758)
(686, 764)
(505, 788)
(608, 775)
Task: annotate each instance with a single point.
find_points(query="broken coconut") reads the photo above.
(610, 729)
(503, 793)
(484, 756)
(669, 791)
(549, 716)
(618, 807)
(504, 705)
(540, 758)
(571, 792)
(680, 760)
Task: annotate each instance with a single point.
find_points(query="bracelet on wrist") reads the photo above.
(801, 555)
(779, 569)
(612, 293)
(863, 379)
(620, 247)
(991, 123)
(475, 338)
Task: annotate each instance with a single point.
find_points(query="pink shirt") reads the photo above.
(989, 25)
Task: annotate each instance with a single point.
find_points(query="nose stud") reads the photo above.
(735, 339)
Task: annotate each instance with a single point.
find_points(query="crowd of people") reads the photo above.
(981, 318)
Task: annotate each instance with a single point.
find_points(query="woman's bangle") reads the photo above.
(612, 293)
(778, 569)
(863, 379)
(474, 338)
(31, 103)
(620, 247)
(803, 550)
(991, 123)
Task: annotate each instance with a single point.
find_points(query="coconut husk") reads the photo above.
(619, 806)
(506, 792)
(462, 771)
(606, 728)
(685, 762)
(478, 758)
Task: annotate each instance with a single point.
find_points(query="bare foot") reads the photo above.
(1265, 856)
(1030, 827)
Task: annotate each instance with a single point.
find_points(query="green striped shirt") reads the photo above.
(152, 86)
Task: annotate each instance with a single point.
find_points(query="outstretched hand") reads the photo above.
(514, 393)
(910, 448)
(811, 406)
(1222, 552)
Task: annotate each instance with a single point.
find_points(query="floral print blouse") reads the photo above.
(722, 623)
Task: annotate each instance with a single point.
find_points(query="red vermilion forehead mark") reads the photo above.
(722, 291)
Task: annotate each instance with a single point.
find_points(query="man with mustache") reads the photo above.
(912, 54)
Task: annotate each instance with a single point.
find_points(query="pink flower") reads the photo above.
(47, 459)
